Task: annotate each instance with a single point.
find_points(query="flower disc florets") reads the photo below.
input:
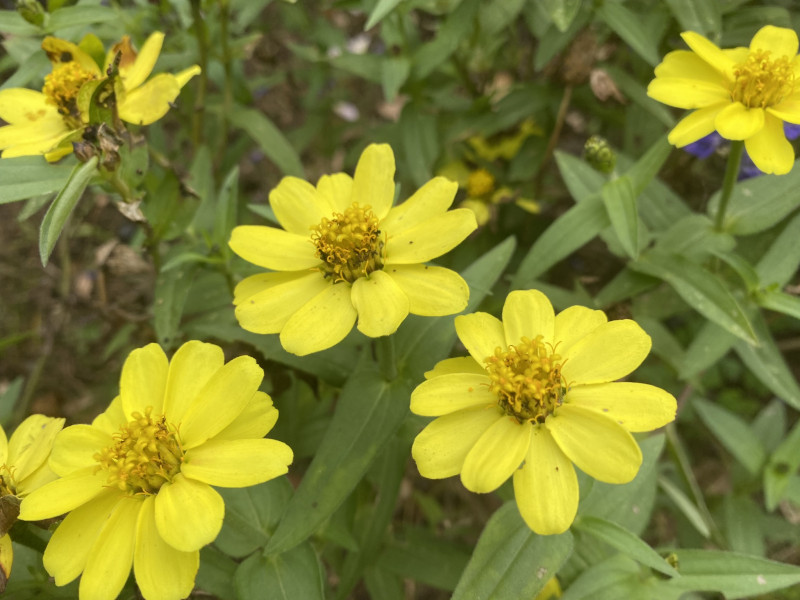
(146, 454)
(527, 380)
(762, 81)
(349, 244)
(61, 88)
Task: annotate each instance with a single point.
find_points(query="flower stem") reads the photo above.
(731, 173)
(386, 357)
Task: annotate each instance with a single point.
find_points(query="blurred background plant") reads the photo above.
(502, 96)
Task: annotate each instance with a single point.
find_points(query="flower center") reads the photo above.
(762, 81)
(7, 486)
(62, 86)
(349, 244)
(480, 183)
(527, 380)
(146, 453)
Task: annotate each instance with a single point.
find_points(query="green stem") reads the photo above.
(227, 94)
(386, 357)
(731, 173)
(201, 33)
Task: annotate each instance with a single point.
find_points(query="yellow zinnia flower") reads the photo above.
(742, 93)
(535, 397)
(346, 254)
(47, 122)
(23, 468)
(137, 481)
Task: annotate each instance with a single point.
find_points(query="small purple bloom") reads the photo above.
(705, 146)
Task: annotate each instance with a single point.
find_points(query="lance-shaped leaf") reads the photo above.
(619, 199)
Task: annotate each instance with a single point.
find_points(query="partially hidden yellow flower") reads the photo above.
(137, 481)
(345, 253)
(552, 589)
(47, 122)
(23, 468)
(537, 394)
(742, 93)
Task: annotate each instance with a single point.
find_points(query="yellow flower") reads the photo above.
(23, 468)
(742, 93)
(345, 253)
(552, 589)
(47, 122)
(536, 396)
(137, 481)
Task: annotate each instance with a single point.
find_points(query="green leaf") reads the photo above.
(510, 561)
(368, 413)
(779, 302)
(453, 31)
(619, 199)
(759, 203)
(732, 574)
(382, 8)
(216, 572)
(72, 16)
(561, 12)
(703, 17)
(626, 284)
(710, 344)
(570, 231)
(647, 167)
(582, 181)
(701, 289)
(12, 22)
(268, 137)
(62, 206)
(289, 576)
(623, 540)
(614, 578)
(172, 289)
(685, 506)
(732, 431)
(742, 524)
(742, 268)
(201, 182)
(30, 70)
(394, 73)
(627, 25)
(384, 585)
(25, 177)
(769, 426)
(420, 142)
(781, 261)
(225, 210)
(782, 466)
(694, 236)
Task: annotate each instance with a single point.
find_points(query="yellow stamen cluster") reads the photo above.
(762, 81)
(62, 86)
(146, 454)
(349, 244)
(527, 379)
(480, 183)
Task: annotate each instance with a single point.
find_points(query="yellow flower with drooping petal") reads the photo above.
(137, 481)
(23, 468)
(47, 122)
(537, 394)
(345, 253)
(742, 93)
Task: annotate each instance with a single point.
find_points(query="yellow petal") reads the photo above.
(688, 65)
(61, 51)
(381, 304)
(787, 109)
(188, 513)
(62, 495)
(481, 334)
(68, 549)
(112, 418)
(432, 199)
(610, 352)
(496, 455)
(143, 381)
(546, 488)
(461, 364)
(682, 92)
(635, 406)
(273, 248)
(3, 446)
(32, 139)
(109, 562)
(296, 206)
(695, 125)
(450, 393)
(238, 463)
(278, 298)
(185, 76)
(373, 181)
(149, 102)
(431, 291)
(322, 322)
(430, 239)
(335, 192)
(527, 314)
(75, 447)
(41, 476)
(575, 323)
(479, 208)
(779, 41)
(737, 122)
(770, 150)
(440, 449)
(223, 398)
(192, 365)
(21, 106)
(597, 445)
(30, 445)
(255, 421)
(161, 571)
(6, 557)
(710, 53)
(135, 75)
